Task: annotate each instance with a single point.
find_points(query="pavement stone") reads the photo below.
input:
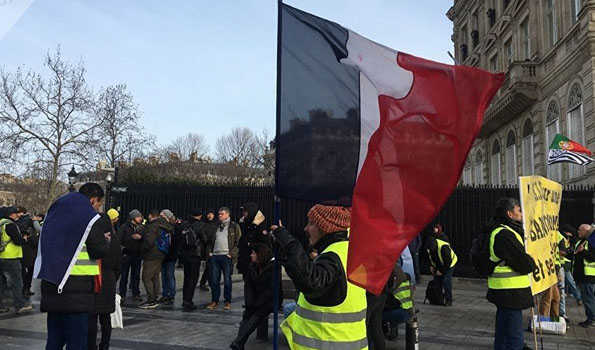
(468, 324)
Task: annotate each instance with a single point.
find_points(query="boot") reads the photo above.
(247, 327)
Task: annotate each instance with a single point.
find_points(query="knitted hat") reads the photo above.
(330, 219)
(113, 214)
(168, 214)
(135, 213)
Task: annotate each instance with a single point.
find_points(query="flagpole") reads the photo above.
(277, 203)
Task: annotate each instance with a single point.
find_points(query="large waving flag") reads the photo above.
(358, 120)
(65, 230)
(564, 150)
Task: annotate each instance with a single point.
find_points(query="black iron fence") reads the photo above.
(463, 216)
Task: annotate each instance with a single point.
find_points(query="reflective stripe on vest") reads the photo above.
(561, 259)
(589, 265)
(403, 295)
(504, 277)
(453, 256)
(11, 251)
(84, 266)
(333, 327)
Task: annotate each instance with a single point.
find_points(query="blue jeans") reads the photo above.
(130, 266)
(509, 329)
(67, 329)
(220, 263)
(588, 292)
(11, 269)
(396, 316)
(446, 283)
(571, 285)
(168, 278)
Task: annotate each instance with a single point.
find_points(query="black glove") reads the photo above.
(282, 237)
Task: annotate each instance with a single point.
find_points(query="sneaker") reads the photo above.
(587, 324)
(168, 301)
(137, 298)
(204, 288)
(25, 309)
(162, 299)
(227, 306)
(212, 306)
(146, 304)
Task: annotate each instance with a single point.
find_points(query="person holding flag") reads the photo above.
(331, 311)
(74, 235)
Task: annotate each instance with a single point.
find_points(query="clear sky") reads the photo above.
(203, 66)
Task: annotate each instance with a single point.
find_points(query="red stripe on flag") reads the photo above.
(414, 162)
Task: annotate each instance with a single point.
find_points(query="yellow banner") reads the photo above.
(540, 202)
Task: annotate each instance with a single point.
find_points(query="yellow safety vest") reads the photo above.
(329, 327)
(453, 256)
(11, 251)
(562, 259)
(84, 266)
(403, 295)
(589, 265)
(504, 277)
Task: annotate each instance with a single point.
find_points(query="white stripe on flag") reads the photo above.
(77, 252)
(369, 116)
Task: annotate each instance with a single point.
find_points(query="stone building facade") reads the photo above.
(547, 50)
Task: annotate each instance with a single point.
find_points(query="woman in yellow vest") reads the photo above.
(331, 312)
(442, 261)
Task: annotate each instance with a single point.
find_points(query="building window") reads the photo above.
(475, 29)
(552, 127)
(575, 9)
(550, 20)
(509, 49)
(495, 163)
(576, 129)
(528, 156)
(467, 176)
(525, 41)
(511, 177)
(494, 63)
(478, 169)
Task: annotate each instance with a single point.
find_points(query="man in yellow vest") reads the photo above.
(442, 261)
(584, 272)
(11, 253)
(331, 312)
(509, 285)
(69, 302)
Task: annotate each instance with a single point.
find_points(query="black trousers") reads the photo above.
(262, 331)
(191, 274)
(253, 319)
(374, 321)
(204, 279)
(27, 273)
(105, 321)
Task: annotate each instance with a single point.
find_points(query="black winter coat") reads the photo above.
(199, 251)
(131, 246)
(513, 253)
(105, 301)
(209, 230)
(259, 287)
(252, 228)
(78, 294)
(322, 280)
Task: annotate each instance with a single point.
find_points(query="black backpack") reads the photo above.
(191, 240)
(435, 294)
(480, 255)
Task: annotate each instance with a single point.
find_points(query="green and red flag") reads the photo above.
(564, 150)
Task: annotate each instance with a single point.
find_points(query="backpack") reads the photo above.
(480, 255)
(163, 242)
(435, 294)
(191, 240)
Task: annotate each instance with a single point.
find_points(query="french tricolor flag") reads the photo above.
(385, 130)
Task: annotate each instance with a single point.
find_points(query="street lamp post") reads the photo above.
(72, 174)
(109, 179)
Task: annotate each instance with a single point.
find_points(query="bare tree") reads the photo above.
(48, 117)
(188, 146)
(242, 147)
(120, 137)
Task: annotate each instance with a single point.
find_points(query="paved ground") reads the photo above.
(467, 325)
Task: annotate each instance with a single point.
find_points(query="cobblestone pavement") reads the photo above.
(468, 324)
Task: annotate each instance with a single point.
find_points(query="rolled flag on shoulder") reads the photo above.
(360, 121)
(564, 150)
(65, 229)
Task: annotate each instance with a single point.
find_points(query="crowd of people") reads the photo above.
(118, 253)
